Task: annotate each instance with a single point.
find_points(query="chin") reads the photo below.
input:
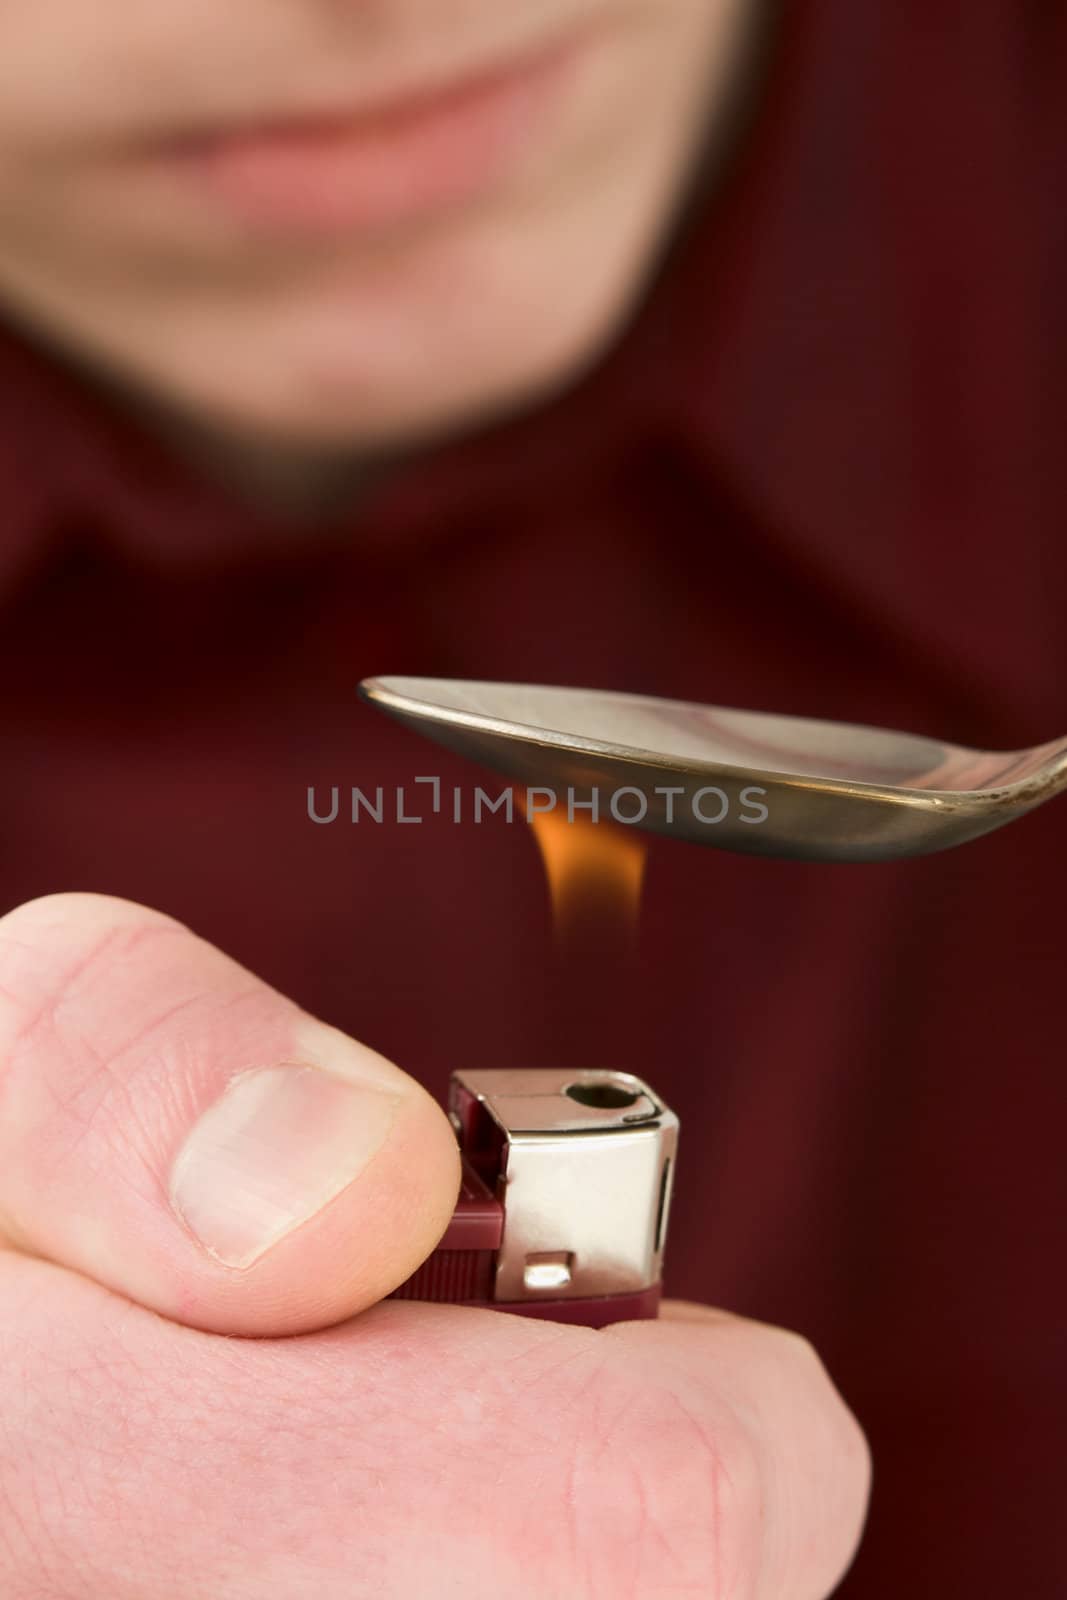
(395, 365)
(350, 412)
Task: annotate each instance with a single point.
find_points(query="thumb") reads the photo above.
(180, 1132)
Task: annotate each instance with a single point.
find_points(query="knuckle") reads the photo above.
(75, 908)
(81, 996)
(831, 1510)
(845, 1440)
(835, 1428)
(661, 1493)
(52, 952)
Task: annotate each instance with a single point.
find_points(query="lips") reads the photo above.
(378, 168)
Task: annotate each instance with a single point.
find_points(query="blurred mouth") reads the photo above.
(386, 164)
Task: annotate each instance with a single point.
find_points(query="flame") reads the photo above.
(595, 874)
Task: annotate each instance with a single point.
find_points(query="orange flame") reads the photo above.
(595, 874)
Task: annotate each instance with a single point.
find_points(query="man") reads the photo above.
(574, 343)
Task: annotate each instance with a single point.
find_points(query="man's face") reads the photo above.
(285, 218)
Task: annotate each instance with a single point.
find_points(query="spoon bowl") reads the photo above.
(748, 781)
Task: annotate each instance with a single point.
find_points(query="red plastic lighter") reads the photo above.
(562, 1212)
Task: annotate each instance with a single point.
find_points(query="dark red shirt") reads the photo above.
(821, 473)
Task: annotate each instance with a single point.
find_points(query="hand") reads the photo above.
(184, 1155)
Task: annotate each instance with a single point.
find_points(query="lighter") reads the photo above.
(563, 1207)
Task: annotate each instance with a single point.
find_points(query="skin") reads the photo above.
(278, 353)
(173, 1424)
(143, 1454)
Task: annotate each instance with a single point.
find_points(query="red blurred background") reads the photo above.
(822, 473)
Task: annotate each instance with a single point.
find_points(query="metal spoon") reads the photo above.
(741, 780)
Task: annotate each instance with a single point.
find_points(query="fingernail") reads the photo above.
(280, 1144)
